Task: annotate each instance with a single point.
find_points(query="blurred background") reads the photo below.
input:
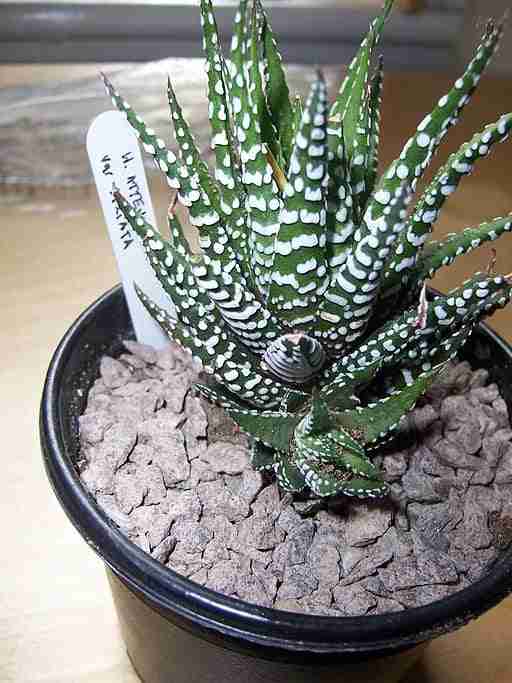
(424, 34)
(50, 55)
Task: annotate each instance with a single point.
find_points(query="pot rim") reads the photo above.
(212, 613)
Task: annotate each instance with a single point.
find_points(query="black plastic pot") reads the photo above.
(177, 631)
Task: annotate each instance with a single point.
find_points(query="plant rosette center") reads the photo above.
(294, 358)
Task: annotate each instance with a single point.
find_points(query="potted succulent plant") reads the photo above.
(307, 305)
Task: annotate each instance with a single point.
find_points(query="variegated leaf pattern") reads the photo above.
(233, 368)
(176, 231)
(425, 214)
(308, 294)
(444, 253)
(189, 153)
(346, 93)
(375, 101)
(299, 271)
(259, 74)
(349, 108)
(241, 310)
(353, 292)
(277, 93)
(263, 201)
(226, 169)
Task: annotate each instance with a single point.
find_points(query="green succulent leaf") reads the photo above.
(219, 396)
(359, 160)
(189, 153)
(269, 133)
(164, 159)
(236, 303)
(365, 488)
(177, 234)
(277, 92)
(356, 114)
(463, 303)
(358, 464)
(436, 255)
(358, 280)
(226, 169)
(460, 164)
(238, 81)
(348, 303)
(444, 350)
(234, 368)
(448, 321)
(299, 275)
(341, 218)
(375, 102)
(288, 475)
(333, 446)
(359, 368)
(239, 47)
(176, 330)
(308, 294)
(317, 420)
(191, 193)
(263, 201)
(262, 457)
(351, 85)
(375, 421)
(171, 268)
(348, 110)
(273, 429)
(351, 165)
(326, 480)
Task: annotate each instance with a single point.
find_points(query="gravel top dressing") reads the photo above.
(173, 473)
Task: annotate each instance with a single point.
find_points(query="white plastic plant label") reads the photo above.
(116, 160)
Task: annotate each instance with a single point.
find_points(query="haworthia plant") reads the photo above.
(309, 291)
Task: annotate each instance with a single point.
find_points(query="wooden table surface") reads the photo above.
(57, 623)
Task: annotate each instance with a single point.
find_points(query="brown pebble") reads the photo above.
(143, 351)
(114, 373)
(180, 468)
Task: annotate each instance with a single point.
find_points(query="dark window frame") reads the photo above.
(133, 32)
